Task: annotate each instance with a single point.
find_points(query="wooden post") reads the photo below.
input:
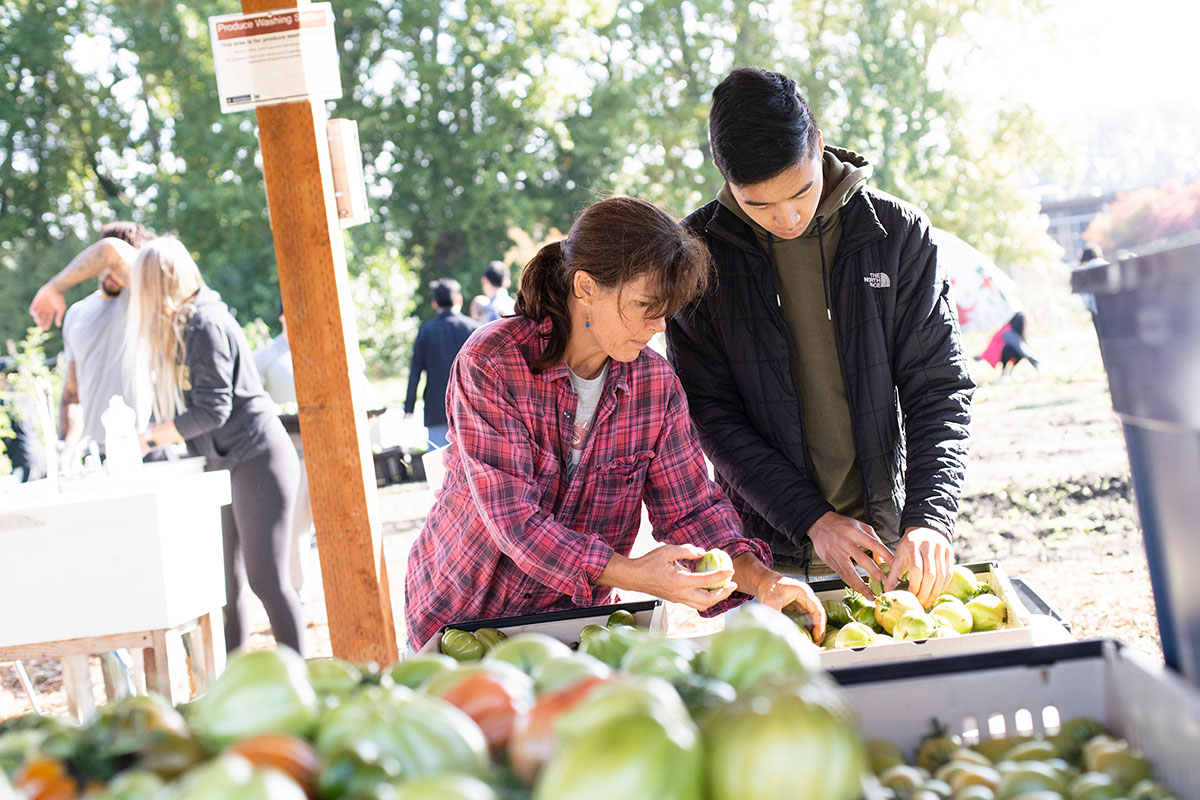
(324, 341)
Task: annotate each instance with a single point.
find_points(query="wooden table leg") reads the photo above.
(212, 628)
(77, 682)
(155, 664)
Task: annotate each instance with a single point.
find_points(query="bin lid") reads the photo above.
(1179, 266)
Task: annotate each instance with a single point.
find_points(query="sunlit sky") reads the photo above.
(1102, 54)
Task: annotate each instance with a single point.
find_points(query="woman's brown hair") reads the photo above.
(616, 241)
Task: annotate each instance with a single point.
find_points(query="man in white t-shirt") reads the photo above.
(495, 283)
(93, 328)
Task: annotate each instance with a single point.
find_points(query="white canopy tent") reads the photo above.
(985, 296)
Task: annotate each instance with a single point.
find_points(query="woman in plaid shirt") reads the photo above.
(562, 424)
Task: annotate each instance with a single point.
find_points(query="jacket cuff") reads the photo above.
(807, 519)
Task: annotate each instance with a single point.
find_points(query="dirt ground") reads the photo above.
(1047, 496)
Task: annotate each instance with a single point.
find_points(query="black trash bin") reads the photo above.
(1148, 322)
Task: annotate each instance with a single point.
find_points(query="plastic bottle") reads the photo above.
(122, 452)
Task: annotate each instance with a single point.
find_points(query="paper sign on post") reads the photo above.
(275, 57)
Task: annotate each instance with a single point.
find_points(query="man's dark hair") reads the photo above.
(759, 126)
(132, 233)
(1090, 252)
(495, 273)
(445, 291)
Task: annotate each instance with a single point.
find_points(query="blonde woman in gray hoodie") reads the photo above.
(189, 358)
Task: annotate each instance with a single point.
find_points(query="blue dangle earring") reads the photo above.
(587, 319)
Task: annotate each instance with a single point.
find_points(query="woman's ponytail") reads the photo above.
(543, 293)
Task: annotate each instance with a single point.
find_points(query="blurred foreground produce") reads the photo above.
(632, 715)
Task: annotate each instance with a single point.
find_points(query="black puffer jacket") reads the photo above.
(901, 354)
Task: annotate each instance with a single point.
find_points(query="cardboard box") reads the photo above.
(1020, 630)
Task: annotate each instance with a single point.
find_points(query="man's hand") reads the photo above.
(927, 557)
(841, 542)
(784, 592)
(48, 307)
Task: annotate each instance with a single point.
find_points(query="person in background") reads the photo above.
(479, 305)
(824, 367)
(189, 357)
(93, 330)
(564, 423)
(1091, 256)
(438, 342)
(274, 364)
(495, 283)
(26, 455)
(1007, 346)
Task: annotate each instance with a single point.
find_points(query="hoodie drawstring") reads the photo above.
(824, 270)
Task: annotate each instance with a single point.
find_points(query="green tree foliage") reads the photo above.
(1147, 217)
(479, 116)
(57, 127)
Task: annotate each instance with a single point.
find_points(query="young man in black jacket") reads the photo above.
(824, 368)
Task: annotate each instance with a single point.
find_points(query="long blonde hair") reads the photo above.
(164, 283)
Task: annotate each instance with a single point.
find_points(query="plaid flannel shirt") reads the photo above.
(512, 530)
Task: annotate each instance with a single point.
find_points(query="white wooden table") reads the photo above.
(110, 562)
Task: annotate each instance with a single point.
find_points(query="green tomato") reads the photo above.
(665, 658)
(355, 770)
(837, 613)
(267, 691)
(712, 560)
(608, 645)
(638, 756)
(418, 668)
(621, 617)
(422, 735)
(758, 642)
(891, 606)
(445, 787)
(786, 738)
(955, 614)
(527, 650)
(913, 626)
(988, 612)
(854, 635)
(490, 637)
(563, 671)
(963, 584)
(333, 677)
(461, 645)
(232, 777)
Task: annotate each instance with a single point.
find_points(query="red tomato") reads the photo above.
(533, 736)
(492, 703)
(290, 755)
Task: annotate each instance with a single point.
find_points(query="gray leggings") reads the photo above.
(257, 530)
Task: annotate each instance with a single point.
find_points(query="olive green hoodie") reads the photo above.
(800, 268)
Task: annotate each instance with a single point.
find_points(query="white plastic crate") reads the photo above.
(1033, 690)
(562, 625)
(1021, 629)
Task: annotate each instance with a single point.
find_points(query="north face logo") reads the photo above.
(878, 280)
